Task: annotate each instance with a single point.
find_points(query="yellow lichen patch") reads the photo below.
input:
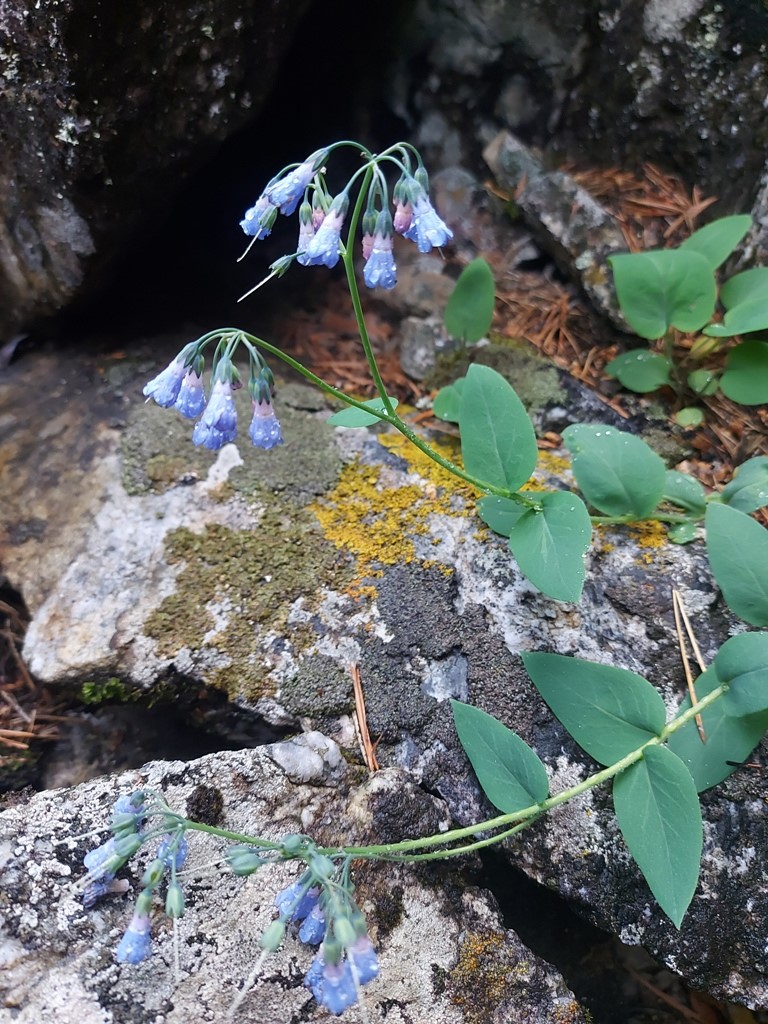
(429, 470)
(648, 534)
(606, 546)
(377, 523)
(549, 462)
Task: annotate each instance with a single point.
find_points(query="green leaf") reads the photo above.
(609, 711)
(689, 417)
(617, 473)
(748, 490)
(684, 491)
(640, 370)
(745, 287)
(497, 439)
(549, 546)
(751, 316)
(510, 773)
(728, 738)
(703, 382)
(469, 311)
(500, 514)
(737, 548)
(682, 533)
(353, 417)
(658, 812)
(716, 241)
(742, 662)
(665, 288)
(746, 373)
(447, 401)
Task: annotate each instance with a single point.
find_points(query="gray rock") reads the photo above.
(264, 575)
(104, 111)
(438, 952)
(422, 341)
(678, 82)
(565, 219)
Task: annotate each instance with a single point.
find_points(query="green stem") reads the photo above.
(660, 517)
(348, 260)
(535, 810)
(460, 851)
(510, 824)
(394, 420)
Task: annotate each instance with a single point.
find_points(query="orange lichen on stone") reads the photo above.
(484, 976)
(549, 462)
(377, 523)
(649, 534)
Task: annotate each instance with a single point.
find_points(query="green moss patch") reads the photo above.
(235, 585)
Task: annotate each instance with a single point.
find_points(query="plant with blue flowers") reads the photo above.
(652, 760)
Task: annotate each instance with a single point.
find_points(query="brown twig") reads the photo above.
(681, 618)
(367, 748)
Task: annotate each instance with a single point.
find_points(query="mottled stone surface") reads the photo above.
(266, 575)
(105, 108)
(445, 957)
(566, 220)
(679, 82)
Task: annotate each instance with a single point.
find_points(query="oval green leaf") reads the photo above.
(617, 472)
(682, 533)
(447, 401)
(716, 241)
(500, 514)
(497, 439)
(737, 548)
(684, 491)
(746, 373)
(469, 312)
(744, 319)
(609, 711)
(748, 491)
(354, 417)
(510, 773)
(662, 289)
(640, 370)
(549, 546)
(703, 382)
(745, 287)
(658, 812)
(742, 663)
(728, 738)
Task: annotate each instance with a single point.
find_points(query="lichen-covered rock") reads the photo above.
(104, 109)
(265, 575)
(445, 957)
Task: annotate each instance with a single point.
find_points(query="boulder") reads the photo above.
(445, 957)
(105, 110)
(680, 83)
(264, 576)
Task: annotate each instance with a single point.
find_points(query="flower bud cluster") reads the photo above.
(129, 834)
(136, 943)
(103, 863)
(322, 902)
(180, 386)
(321, 217)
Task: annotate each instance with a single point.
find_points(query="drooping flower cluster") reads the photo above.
(322, 900)
(322, 903)
(180, 386)
(129, 834)
(322, 217)
(105, 861)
